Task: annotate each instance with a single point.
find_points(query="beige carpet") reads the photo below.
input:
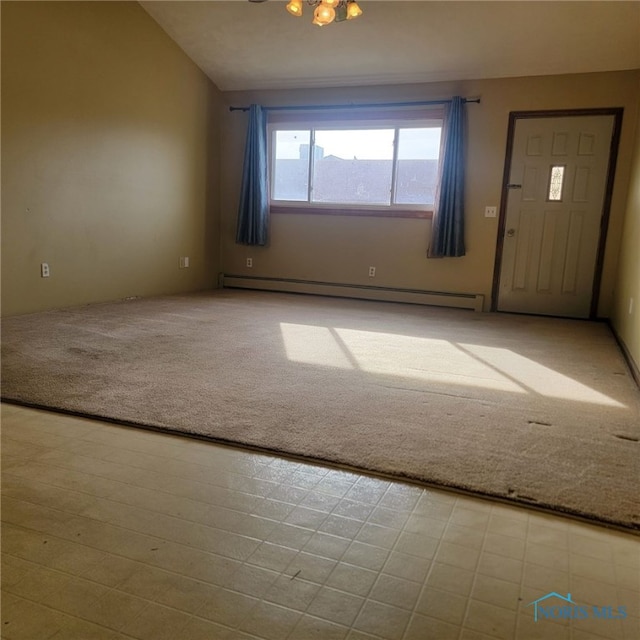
(537, 410)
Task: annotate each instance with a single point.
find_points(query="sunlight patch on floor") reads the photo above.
(422, 359)
(313, 345)
(431, 360)
(538, 378)
(390, 354)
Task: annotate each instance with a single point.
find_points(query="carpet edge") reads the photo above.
(627, 527)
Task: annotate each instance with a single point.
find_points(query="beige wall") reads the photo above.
(626, 321)
(109, 157)
(340, 249)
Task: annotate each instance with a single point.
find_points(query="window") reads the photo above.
(556, 183)
(358, 167)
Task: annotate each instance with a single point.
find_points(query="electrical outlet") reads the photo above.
(44, 270)
(630, 306)
(490, 212)
(183, 262)
(186, 262)
(250, 262)
(372, 272)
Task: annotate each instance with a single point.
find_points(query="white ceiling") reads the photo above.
(247, 45)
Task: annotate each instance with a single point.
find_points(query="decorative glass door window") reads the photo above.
(556, 183)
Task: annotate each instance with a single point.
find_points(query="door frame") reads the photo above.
(514, 116)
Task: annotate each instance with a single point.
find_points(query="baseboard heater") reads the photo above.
(473, 301)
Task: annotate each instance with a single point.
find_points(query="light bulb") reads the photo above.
(295, 7)
(323, 15)
(353, 10)
(331, 3)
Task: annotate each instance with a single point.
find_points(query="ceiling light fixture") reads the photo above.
(327, 11)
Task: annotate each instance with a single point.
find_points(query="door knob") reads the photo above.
(511, 233)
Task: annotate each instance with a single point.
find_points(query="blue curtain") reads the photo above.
(253, 211)
(447, 235)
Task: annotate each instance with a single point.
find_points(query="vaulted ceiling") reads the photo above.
(251, 45)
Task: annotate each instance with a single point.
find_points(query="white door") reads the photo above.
(555, 200)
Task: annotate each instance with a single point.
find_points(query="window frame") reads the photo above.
(431, 118)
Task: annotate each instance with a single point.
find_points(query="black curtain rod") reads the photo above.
(355, 106)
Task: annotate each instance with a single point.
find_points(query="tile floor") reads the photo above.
(110, 532)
